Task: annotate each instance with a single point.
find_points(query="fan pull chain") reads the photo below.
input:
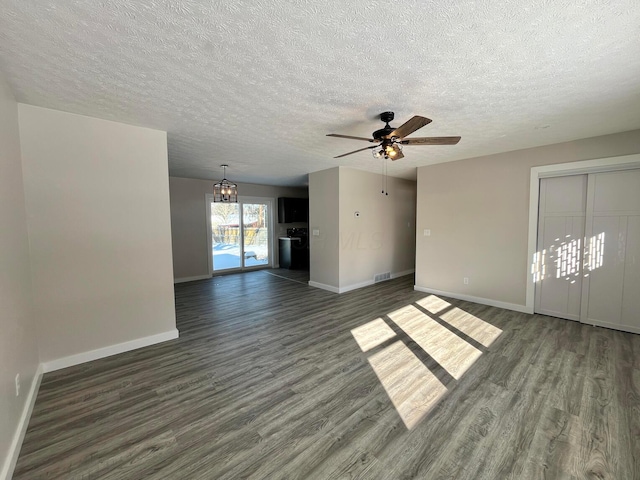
(385, 182)
(382, 173)
(386, 176)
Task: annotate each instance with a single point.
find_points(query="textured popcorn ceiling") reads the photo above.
(257, 84)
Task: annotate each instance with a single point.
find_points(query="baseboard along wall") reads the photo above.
(14, 450)
(355, 286)
(18, 437)
(480, 300)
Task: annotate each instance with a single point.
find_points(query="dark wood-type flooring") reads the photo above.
(267, 381)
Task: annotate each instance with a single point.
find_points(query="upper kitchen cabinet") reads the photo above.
(292, 210)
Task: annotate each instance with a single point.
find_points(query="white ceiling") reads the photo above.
(258, 84)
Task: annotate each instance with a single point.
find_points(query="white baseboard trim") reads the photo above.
(480, 300)
(14, 449)
(191, 279)
(79, 358)
(21, 430)
(329, 288)
(355, 286)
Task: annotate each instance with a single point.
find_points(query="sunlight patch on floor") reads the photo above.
(481, 331)
(453, 353)
(372, 334)
(411, 386)
(433, 304)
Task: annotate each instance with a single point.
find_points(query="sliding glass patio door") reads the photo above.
(241, 234)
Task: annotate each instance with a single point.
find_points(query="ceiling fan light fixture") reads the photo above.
(392, 150)
(225, 191)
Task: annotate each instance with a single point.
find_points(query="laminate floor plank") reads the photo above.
(268, 380)
(551, 447)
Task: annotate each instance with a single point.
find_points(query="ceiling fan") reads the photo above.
(389, 140)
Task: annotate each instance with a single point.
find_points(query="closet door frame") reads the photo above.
(610, 164)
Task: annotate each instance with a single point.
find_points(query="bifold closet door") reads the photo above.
(611, 287)
(561, 223)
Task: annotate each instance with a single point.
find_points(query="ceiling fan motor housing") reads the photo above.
(382, 133)
(386, 117)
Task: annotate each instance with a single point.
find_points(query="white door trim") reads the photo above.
(609, 164)
(208, 198)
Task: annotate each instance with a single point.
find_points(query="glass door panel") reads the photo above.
(255, 234)
(225, 236)
(241, 233)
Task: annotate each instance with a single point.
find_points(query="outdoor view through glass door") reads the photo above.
(240, 234)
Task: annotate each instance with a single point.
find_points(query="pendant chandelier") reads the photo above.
(224, 191)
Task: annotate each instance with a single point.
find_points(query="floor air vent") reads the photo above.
(381, 277)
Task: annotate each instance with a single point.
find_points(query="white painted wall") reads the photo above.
(350, 250)
(18, 338)
(188, 220)
(477, 211)
(97, 199)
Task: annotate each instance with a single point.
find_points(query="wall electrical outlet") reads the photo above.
(465, 280)
(17, 384)
(427, 232)
(316, 232)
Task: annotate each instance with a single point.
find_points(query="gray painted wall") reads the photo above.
(97, 198)
(188, 220)
(18, 341)
(350, 249)
(324, 216)
(477, 211)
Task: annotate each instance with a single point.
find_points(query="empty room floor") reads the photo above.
(271, 378)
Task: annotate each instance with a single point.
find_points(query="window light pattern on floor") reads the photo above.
(412, 387)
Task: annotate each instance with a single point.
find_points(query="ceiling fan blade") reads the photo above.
(410, 126)
(430, 141)
(349, 136)
(398, 155)
(356, 151)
